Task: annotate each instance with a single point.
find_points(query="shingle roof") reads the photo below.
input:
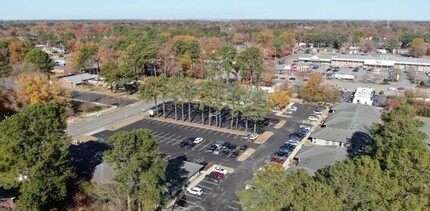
(347, 119)
(313, 158)
(79, 79)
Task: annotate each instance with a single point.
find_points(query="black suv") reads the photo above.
(186, 144)
(211, 178)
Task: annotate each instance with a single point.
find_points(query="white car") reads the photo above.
(292, 108)
(198, 140)
(253, 136)
(220, 170)
(392, 88)
(313, 118)
(195, 191)
(317, 112)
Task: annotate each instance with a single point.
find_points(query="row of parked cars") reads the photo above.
(191, 142)
(317, 113)
(227, 149)
(215, 176)
(288, 147)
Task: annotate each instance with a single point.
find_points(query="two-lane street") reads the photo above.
(93, 124)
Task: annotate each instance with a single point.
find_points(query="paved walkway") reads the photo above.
(180, 122)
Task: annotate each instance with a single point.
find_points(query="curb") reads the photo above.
(179, 122)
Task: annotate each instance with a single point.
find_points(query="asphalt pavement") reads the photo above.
(93, 124)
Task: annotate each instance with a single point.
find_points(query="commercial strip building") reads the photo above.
(348, 122)
(377, 61)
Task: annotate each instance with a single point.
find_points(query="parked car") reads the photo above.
(220, 170)
(251, 137)
(292, 108)
(277, 160)
(217, 175)
(401, 89)
(243, 148)
(392, 88)
(211, 148)
(216, 151)
(195, 191)
(211, 178)
(317, 112)
(282, 154)
(198, 140)
(234, 154)
(186, 144)
(312, 118)
(289, 112)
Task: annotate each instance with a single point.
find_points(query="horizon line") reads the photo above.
(214, 19)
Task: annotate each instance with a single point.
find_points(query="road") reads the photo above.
(94, 124)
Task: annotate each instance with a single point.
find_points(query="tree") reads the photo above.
(273, 189)
(250, 63)
(314, 90)
(5, 69)
(227, 55)
(87, 56)
(37, 89)
(280, 98)
(255, 108)
(142, 51)
(40, 59)
(418, 47)
(34, 156)
(151, 90)
(139, 169)
(360, 184)
(17, 51)
(186, 50)
(117, 74)
(403, 154)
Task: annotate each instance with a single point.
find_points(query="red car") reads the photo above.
(217, 175)
(278, 160)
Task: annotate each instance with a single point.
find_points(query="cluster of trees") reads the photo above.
(316, 90)
(212, 96)
(35, 164)
(392, 176)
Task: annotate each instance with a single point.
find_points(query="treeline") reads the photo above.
(393, 176)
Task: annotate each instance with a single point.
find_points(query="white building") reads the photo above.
(363, 96)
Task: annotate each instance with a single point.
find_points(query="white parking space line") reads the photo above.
(175, 125)
(210, 131)
(198, 129)
(181, 126)
(212, 183)
(187, 194)
(164, 123)
(202, 186)
(229, 134)
(173, 139)
(234, 208)
(216, 132)
(187, 201)
(179, 141)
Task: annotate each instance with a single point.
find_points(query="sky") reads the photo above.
(215, 9)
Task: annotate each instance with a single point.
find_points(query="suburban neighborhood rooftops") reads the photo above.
(313, 158)
(79, 79)
(347, 119)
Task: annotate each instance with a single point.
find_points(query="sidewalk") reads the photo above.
(180, 122)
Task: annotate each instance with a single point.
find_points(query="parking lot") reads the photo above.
(170, 135)
(222, 195)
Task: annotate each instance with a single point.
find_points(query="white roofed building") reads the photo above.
(363, 96)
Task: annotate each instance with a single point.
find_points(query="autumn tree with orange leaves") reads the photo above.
(316, 90)
(37, 89)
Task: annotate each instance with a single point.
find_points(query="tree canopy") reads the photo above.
(39, 58)
(34, 156)
(139, 169)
